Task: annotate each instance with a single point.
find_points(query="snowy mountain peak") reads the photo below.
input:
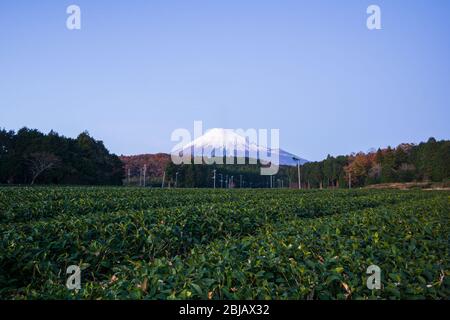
(219, 141)
(218, 138)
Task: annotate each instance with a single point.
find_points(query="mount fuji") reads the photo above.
(217, 141)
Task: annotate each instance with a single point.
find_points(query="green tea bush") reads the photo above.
(136, 243)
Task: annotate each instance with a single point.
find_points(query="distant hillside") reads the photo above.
(156, 164)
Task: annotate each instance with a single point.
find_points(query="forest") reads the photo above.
(426, 162)
(29, 156)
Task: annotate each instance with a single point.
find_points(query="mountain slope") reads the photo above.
(218, 142)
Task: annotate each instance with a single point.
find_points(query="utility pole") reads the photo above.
(145, 173)
(349, 180)
(129, 176)
(298, 172)
(176, 179)
(214, 178)
(140, 177)
(240, 184)
(221, 180)
(164, 178)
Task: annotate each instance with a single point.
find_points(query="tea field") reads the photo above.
(135, 243)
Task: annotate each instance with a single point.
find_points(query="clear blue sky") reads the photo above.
(137, 70)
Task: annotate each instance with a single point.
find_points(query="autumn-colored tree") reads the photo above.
(359, 167)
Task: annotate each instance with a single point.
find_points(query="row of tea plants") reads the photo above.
(134, 243)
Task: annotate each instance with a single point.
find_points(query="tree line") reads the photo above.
(29, 156)
(426, 162)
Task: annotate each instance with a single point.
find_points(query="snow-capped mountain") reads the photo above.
(287, 158)
(220, 142)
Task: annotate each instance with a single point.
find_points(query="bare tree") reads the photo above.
(375, 171)
(40, 162)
